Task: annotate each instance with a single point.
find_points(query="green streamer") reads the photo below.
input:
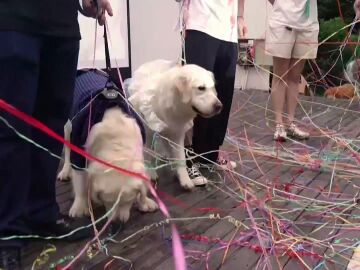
(307, 9)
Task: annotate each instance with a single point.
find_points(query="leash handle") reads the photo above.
(107, 52)
(107, 55)
(106, 42)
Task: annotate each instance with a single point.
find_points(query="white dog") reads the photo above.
(169, 97)
(117, 140)
(352, 72)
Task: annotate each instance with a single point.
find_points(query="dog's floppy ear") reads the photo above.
(182, 85)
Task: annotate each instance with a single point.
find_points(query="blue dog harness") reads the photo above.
(94, 94)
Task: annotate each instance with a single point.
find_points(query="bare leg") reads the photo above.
(293, 79)
(279, 86)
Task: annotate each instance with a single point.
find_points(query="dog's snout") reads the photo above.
(218, 107)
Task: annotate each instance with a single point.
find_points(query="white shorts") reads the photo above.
(289, 43)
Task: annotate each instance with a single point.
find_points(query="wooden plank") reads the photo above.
(342, 249)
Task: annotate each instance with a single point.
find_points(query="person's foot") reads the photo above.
(296, 133)
(10, 258)
(77, 228)
(280, 133)
(196, 176)
(223, 164)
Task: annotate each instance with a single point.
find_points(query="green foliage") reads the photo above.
(328, 9)
(328, 59)
(332, 29)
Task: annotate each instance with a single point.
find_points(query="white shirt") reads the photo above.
(297, 14)
(217, 18)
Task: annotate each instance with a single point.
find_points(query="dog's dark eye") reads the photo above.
(202, 88)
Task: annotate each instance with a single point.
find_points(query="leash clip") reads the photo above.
(110, 93)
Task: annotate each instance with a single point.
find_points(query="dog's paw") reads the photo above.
(64, 174)
(187, 184)
(148, 206)
(123, 215)
(79, 208)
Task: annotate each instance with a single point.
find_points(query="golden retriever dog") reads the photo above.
(169, 97)
(117, 140)
(346, 91)
(352, 72)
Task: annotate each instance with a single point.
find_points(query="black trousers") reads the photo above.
(220, 57)
(37, 75)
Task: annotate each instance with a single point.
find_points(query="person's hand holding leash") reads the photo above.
(242, 28)
(97, 9)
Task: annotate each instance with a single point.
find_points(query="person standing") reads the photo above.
(38, 62)
(291, 38)
(212, 30)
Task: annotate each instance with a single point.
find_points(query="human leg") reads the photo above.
(19, 69)
(53, 103)
(293, 79)
(200, 49)
(305, 47)
(224, 72)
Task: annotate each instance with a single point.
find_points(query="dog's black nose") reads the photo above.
(218, 107)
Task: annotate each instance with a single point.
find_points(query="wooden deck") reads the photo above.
(287, 206)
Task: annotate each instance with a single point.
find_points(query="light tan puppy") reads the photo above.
(117, 140)
(346, 91)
